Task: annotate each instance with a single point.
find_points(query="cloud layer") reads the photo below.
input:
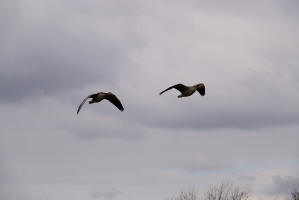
(54, 53)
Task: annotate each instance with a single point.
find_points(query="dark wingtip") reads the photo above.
(121, 108)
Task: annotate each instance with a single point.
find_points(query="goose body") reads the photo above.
(98, 97)
(187, 90)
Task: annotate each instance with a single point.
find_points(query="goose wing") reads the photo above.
(80, 106)
(201, 89)
(114, 100)
(180, 87)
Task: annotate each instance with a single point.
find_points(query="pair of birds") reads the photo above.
(185, 92)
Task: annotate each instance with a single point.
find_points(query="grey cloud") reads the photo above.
(248, 62)
(207, 166)
(106, 194)
(247, 109)
(247, 178)
(253, 10)
(284, 185)
(96, 128)
(46, 51)
(289, 9)
(60, 51)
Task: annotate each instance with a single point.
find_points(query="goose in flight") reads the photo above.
(187, 90)
(97, 97)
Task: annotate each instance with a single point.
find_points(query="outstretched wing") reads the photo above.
(113, 99)
(201, 89)
(89, 96)
(180, 87)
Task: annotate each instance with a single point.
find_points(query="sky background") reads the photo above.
(53, 53)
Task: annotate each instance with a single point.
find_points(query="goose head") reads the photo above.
(200, 85)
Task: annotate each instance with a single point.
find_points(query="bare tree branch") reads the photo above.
(226, 191)
(187, 195)
(223, 191)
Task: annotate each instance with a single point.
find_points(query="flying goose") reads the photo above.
(97, 97)
(187, 90)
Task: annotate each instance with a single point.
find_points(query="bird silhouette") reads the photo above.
(187, 90)
(98, 97)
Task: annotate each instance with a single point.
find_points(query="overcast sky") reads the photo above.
(53, 53)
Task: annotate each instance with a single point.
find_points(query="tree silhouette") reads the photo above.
(187, 195)
(226, 191)
(295, 195)
(223, 191)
